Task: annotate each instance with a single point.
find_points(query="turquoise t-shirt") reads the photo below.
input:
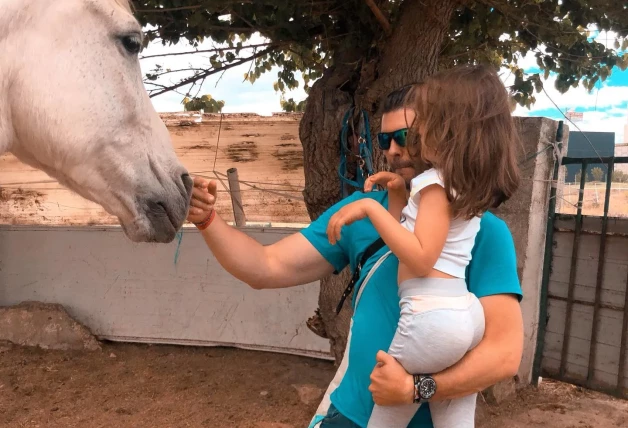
(493, 270)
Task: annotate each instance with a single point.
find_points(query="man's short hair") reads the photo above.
(397, 99)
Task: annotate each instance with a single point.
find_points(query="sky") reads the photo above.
(604, 109)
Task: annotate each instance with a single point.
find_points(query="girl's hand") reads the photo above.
(202, 201)
(345, 216)
(387, 180)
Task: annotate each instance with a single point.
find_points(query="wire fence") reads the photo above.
(262, 199)
(29, 202)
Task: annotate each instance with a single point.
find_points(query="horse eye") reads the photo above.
(132, 44)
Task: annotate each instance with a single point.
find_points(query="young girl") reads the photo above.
(469, 142)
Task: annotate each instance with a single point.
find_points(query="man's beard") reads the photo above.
(396, 165)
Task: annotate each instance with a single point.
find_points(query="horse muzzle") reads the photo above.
(161, 214)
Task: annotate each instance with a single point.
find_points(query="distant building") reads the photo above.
(589, 145)
(575, 116)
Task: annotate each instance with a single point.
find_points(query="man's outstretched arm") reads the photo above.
(496, 358)
(289, 262)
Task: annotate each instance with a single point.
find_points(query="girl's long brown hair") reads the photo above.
(464, 114)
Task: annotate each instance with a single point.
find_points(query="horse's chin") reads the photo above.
(141, 230)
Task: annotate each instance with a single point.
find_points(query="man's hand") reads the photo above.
(345, 216)
(203, 200)
(391, 385)
(496, 358)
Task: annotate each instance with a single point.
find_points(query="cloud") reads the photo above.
(239, 95)
(605, 108)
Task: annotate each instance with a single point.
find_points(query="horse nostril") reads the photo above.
(188, 183)
(160, 206)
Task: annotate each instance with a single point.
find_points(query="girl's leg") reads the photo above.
(424, 343)
(460, 412)
(433, 333)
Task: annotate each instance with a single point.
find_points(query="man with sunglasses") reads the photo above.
(367, 374)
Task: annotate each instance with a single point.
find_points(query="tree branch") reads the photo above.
(379, 16)
(171, 9)
(163, 73)
(214, 71)
(150, 91)
(208, 50)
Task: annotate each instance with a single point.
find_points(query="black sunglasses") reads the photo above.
(385, 138)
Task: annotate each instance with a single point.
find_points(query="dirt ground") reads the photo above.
(265, 150)
(164, 386)
(593, 199)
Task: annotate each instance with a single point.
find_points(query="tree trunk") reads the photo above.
(409, 55)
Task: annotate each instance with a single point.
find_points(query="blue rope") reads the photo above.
(176, 253)
(365, 150)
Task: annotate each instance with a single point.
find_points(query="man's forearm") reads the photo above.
(484, 366)
(496, 358)
(238, 253)
(288, 262)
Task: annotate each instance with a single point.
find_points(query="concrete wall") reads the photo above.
(612, 299)
(136, 292)
(526, 216)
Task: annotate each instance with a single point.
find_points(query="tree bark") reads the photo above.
(362, 79)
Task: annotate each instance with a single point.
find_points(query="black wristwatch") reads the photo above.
(424, 388)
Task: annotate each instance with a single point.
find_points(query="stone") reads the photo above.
(308, 394)
(44, 325)
(5, 346)
(500, 392)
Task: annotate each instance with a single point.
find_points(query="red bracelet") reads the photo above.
(205, 223)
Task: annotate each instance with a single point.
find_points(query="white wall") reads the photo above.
(135, 292)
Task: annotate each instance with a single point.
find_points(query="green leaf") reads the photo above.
(313, 34)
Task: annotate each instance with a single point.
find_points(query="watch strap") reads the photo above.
(417, 393)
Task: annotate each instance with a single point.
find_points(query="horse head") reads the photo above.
(73, 104)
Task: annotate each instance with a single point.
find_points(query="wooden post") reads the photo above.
(236, 197)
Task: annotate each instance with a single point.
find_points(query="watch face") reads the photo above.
(427, 388)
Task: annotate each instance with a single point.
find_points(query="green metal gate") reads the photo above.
(583, 325)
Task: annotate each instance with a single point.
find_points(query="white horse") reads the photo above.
(72, 103)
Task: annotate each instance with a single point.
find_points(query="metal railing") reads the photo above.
(610, 162)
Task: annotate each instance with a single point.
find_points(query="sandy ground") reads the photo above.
(164, 386)
(265, 150)
(593, 199)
